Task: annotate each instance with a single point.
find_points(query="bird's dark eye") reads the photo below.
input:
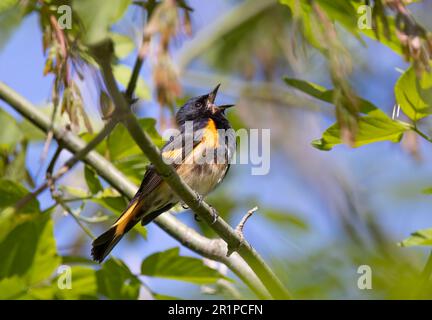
(199, 105)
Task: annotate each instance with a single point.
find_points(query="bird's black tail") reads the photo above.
(103, 244)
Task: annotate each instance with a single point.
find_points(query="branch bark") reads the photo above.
(215, 249)
(103, 54)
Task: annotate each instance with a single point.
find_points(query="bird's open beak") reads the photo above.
(212, 95)
(225, 106)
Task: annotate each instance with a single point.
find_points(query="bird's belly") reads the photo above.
(203, 178)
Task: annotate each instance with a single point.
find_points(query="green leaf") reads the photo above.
(115, 281)
(343, 13)
(326, 95)
(170, 265)
(77, 260)
(414, 94)
(11, 16)
(30, 132)
(418, 238)
(122, 145)
(123, 45)
(126, 155)
(29, 251)
(158, 296)
(370, 129)
(116, 204)
(7, 4)
(16, 169)
(92, 180)
(98, 17)
(282, 218)
(11, 192)
(83, 282)
(375, 126)
(310, 88)
(12, 288)
(75, 192)
(123, 73)
(10, 134)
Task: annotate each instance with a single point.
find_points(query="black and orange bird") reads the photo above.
(200, 155)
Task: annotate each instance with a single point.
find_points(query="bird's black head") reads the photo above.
(201, 107)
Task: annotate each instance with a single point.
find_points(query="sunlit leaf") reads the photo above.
(12, 288)
(414, 94)
(375, 126)
(123, 45)
(370, 130)
(418, 238)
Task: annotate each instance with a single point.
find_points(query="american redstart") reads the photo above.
(200, 156)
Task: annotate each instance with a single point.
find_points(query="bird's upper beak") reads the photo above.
(211, 99)
(212, 95)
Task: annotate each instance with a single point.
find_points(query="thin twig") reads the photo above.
(239, 231)
(142, 52)
(74, 216)
(242, 223)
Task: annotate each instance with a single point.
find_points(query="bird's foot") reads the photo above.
(215, 214)
(199, 198)
(197, 218)
(184, 206)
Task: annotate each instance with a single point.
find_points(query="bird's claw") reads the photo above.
(199, 198)
(184, 206)
(215, 215)
(197, 218)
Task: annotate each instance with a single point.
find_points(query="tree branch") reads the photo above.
(103, 53)
(214, 249)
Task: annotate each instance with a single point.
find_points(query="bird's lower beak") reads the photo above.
(212, 95)
(225, 106)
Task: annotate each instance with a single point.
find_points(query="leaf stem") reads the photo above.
(421, 134)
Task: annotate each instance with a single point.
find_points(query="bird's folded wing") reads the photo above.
(174, 151)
